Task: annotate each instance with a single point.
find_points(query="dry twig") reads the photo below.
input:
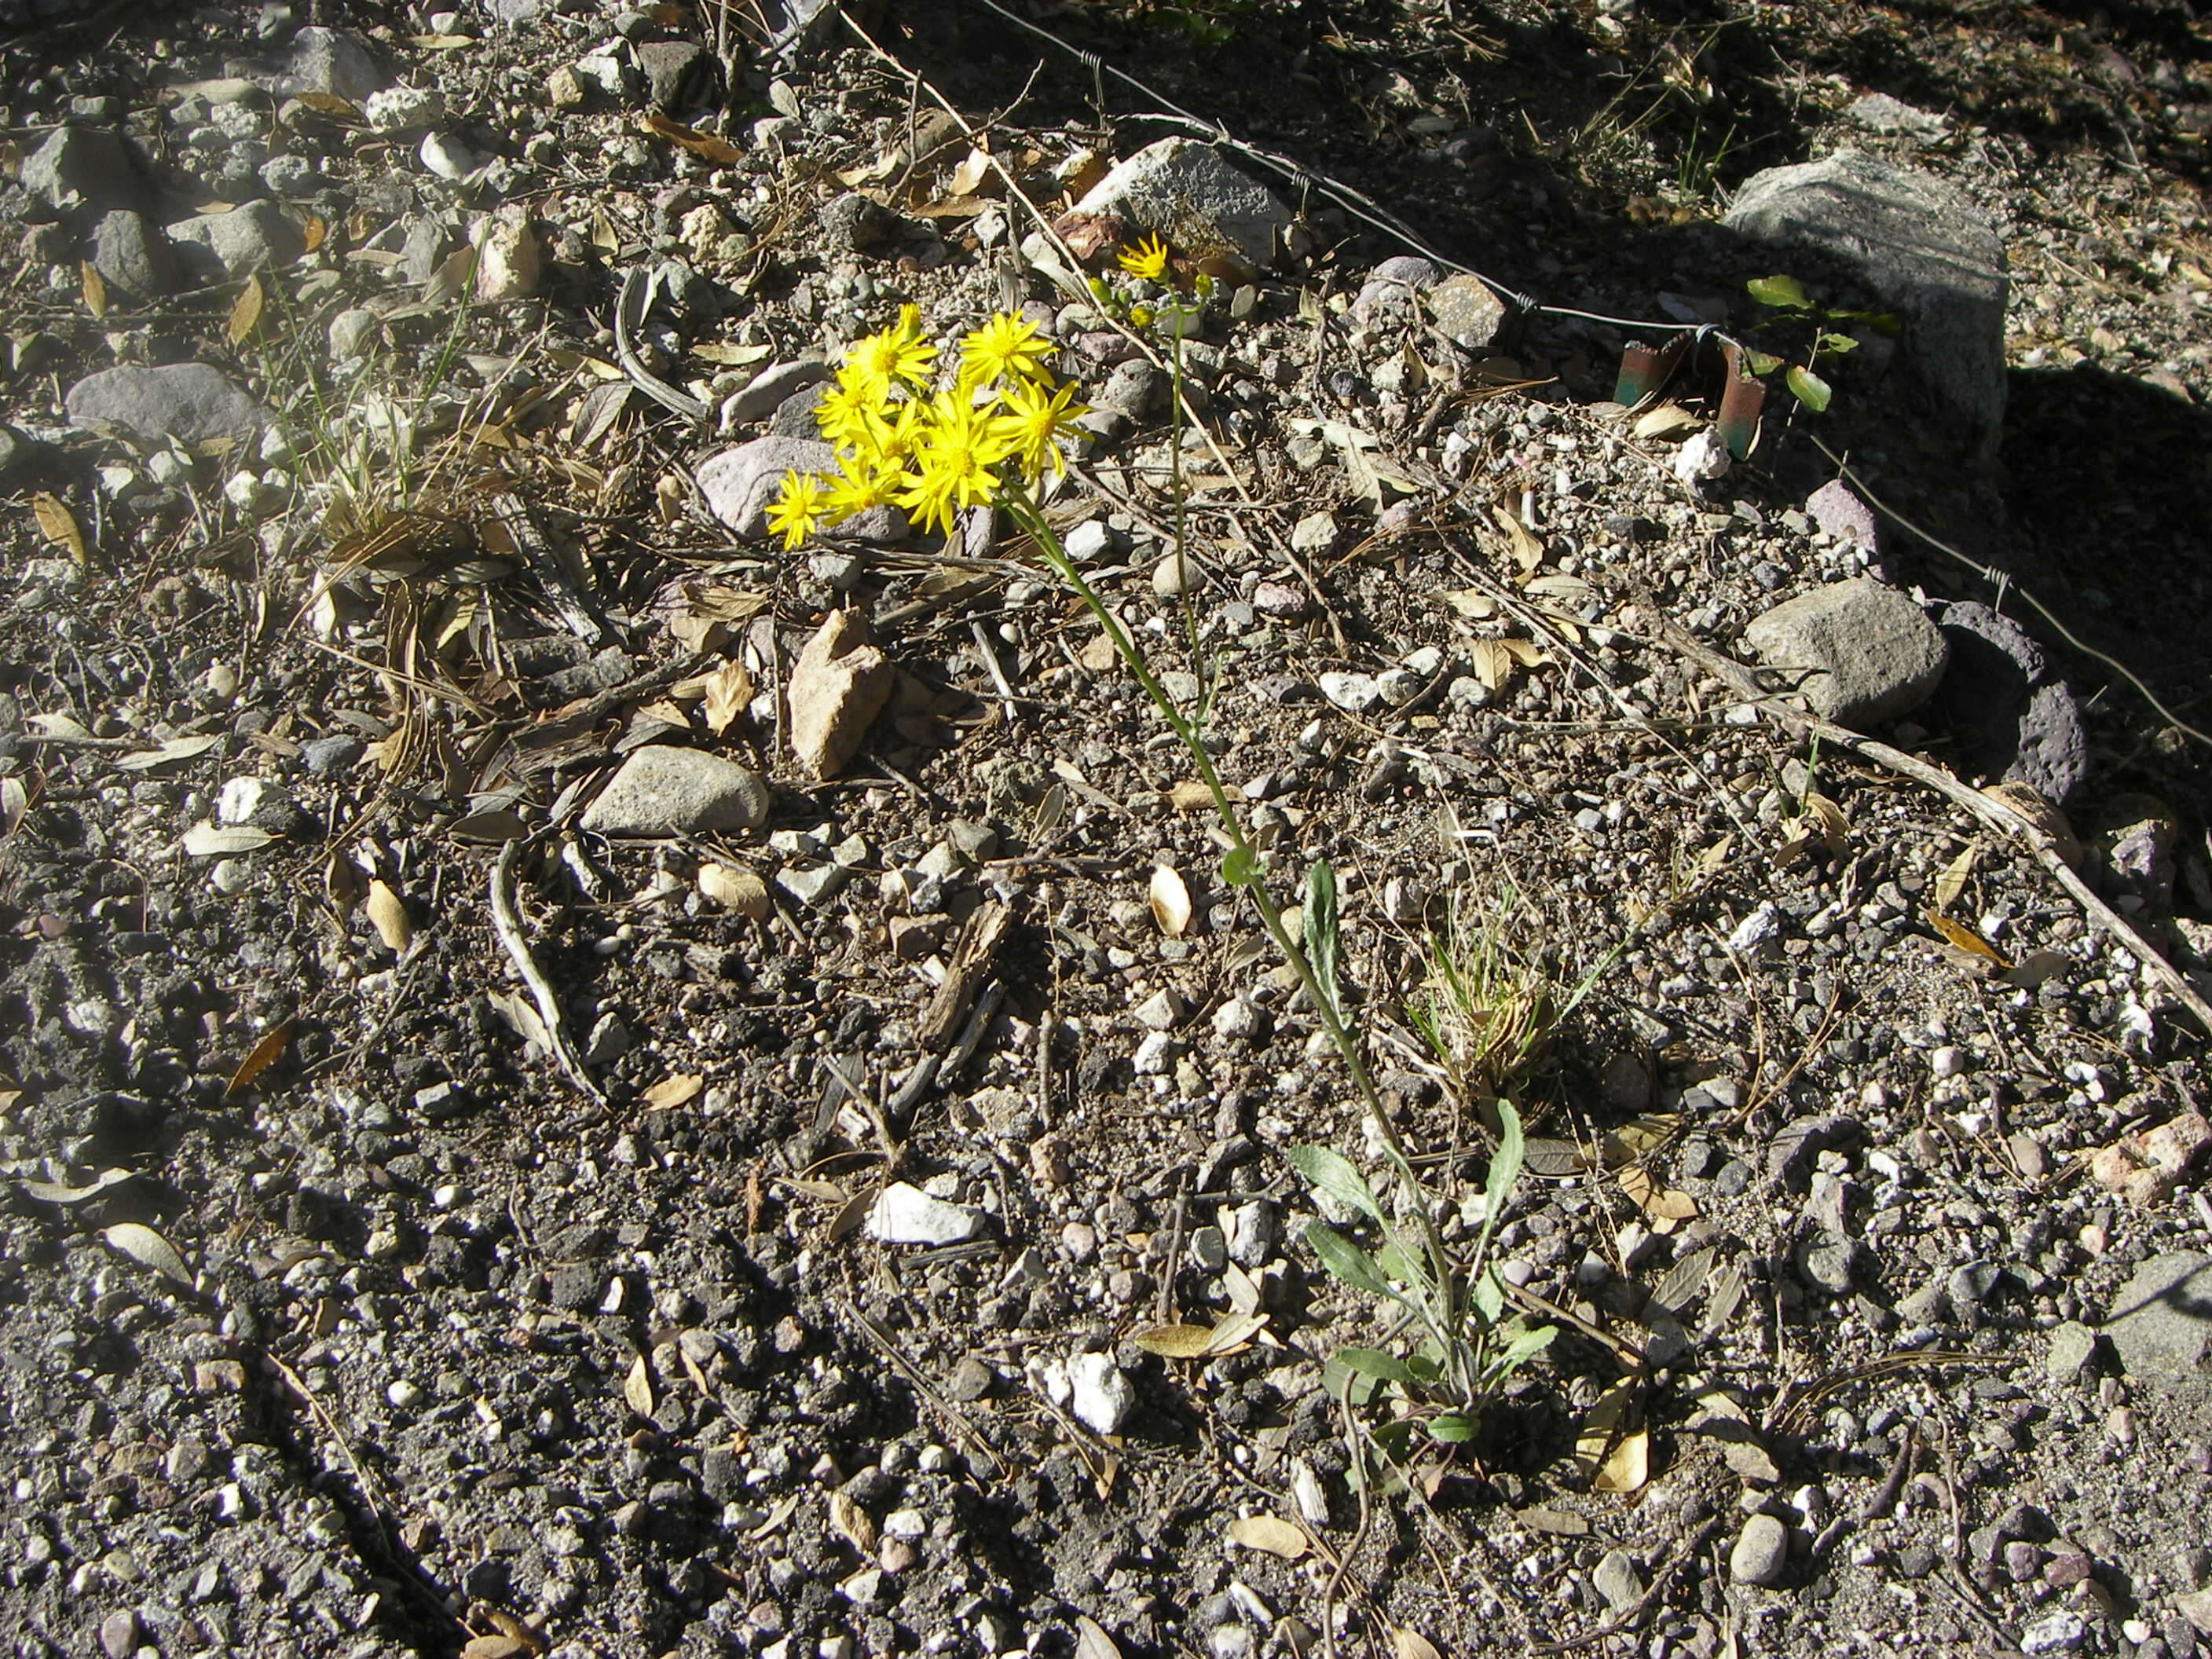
(506, 922)
(1984, 808)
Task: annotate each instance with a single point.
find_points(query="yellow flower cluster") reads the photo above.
(995, 426)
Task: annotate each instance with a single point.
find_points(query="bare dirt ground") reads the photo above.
(342, 1313)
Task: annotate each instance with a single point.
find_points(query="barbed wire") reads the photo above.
(1353, 202)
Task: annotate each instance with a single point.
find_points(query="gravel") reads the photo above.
(823, 1312)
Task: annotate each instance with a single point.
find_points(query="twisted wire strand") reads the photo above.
(1353, 202)
(1376, 217)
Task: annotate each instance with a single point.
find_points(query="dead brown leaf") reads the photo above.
(149, 1249)
(1628, 1465)
(1270, 1534)
(1527, 548)
(342, 881)
(637, 1386)
(1169, 901)
(673, 1091)
(58, 526)
(708, 147)
(971, 173)
(387, 914)
(1660, 1203)
(728, 689)
(245, 311)
(1492, 662)
(1959, 937)
(735, 888)
(1670, 422)
(259, 1059)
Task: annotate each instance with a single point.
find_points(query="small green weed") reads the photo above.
(1467, 1347)
(1490, 1011)
(1791, 307)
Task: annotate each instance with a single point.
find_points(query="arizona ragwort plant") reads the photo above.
(988, 434)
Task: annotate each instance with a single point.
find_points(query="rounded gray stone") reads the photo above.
(82, 170)
(2161, 1322)
(187, 402)
(335, 61)
(231, 244)
(128, 251)
(663, 790)
(739, 484)
(1859, 652)
(1761, 1552)
(1189, 193)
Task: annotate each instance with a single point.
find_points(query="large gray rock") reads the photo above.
(1919, 243)
(1761, 1552)
(762, 395)
(129, 253)
(1860, 653)
(21, 457)
(219, 244)
(1191, 194)
(2011, 718)
(739, 484)
(679, 74)
(2161, 1326)
(660, 791)
(83, 172)
(335, 61)
(184, 402)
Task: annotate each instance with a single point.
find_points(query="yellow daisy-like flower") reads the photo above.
(952, 470)
(1007, 348)
(858, 486)
(901, 430)
(798, 511)
(896, 355)
(851, 416)
(1147, 260)
(1036, 418)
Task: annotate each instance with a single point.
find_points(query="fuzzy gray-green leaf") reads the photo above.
(1373, 1362)
(1346, 1260)
(1322, 921)
(1332, 1172)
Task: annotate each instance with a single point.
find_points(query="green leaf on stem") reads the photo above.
(1346, 1260)
(1373, 1362)
(1523, 1349)
(1486, 1297)
(1504, 1166)
(1321, 928)
(1808, 388)
(1332, 1172)
(1782, 292)
(1238, 868)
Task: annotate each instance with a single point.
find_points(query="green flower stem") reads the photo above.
(1440, 1315)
